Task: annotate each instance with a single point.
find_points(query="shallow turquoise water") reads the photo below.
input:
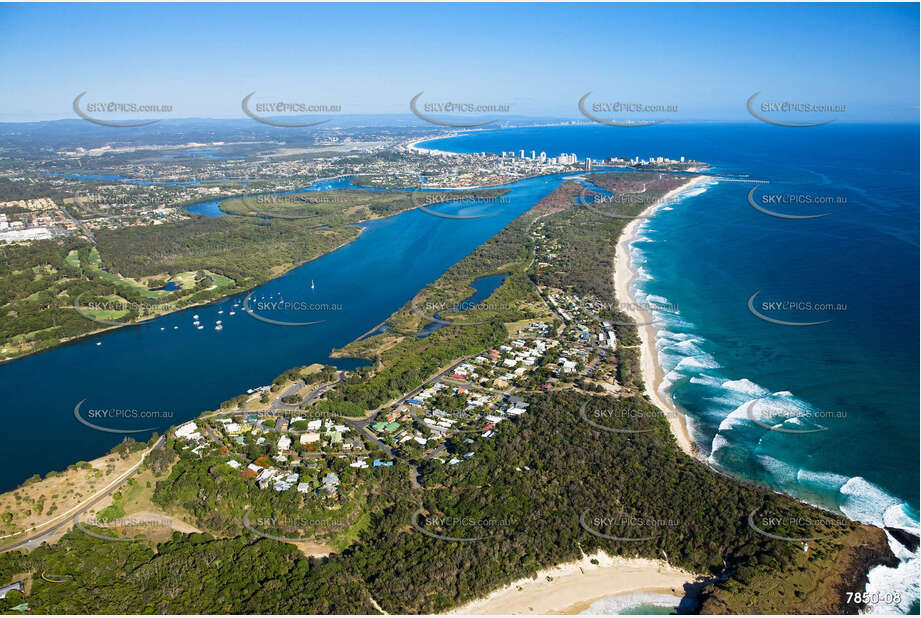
(844, 393)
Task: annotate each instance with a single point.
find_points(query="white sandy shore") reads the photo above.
(574, 586)
(414, 145)
(624, 274)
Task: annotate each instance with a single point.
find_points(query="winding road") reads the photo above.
(67, 518)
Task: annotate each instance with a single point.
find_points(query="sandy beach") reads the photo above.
(649, 359)
(413, 146)
(574, 586)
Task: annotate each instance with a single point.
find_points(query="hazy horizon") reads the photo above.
(706, 61)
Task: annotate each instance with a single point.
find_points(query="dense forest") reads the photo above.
(39, 283)
(530, 520)
(548, 487)
(243, 249)
(342, 206)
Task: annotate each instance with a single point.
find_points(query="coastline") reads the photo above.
(413, 146)
(149, 318)
(653, 375)
(236, 291)
(571, 587)
(580, 580)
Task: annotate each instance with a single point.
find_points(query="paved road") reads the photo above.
(276, 407)
(78, 223)
(602, 354)
(361, 426)
(277, 404)
(67, 518)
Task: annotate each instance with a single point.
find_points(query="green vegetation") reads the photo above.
(218, 497)
(574, 468)
(403, 361)
(39, 284)
(525, 490)
(120, 279)
(246, 250)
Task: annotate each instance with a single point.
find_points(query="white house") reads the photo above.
(189, 431)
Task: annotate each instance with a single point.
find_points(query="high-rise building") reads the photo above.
(543, 156)
(567, 159)
(533, 155)
(521, 154)
(588, 164)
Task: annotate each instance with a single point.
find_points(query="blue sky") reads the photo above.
(539, 59)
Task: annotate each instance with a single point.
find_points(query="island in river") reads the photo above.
(578, 463)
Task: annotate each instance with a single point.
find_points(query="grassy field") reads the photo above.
(39, 500)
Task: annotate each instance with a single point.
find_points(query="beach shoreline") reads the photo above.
(413, 146)
(652, 372)
(572, 587)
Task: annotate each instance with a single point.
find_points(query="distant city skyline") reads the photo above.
(703, 60)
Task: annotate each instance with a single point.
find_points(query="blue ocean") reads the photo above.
(790, 343)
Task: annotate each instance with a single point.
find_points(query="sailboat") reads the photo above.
(312, 286)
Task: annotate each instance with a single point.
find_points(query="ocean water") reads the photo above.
(640, 604)
(828, 412)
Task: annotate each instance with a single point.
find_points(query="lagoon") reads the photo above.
(167, 371)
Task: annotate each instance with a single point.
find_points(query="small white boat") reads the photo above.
(98, 343)
(218, 322)
(195, 317)
(311, 284)
(200, 327)
(161, 328)
(175, 328)
(220, 312)
(232, 313)
(218, 327)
